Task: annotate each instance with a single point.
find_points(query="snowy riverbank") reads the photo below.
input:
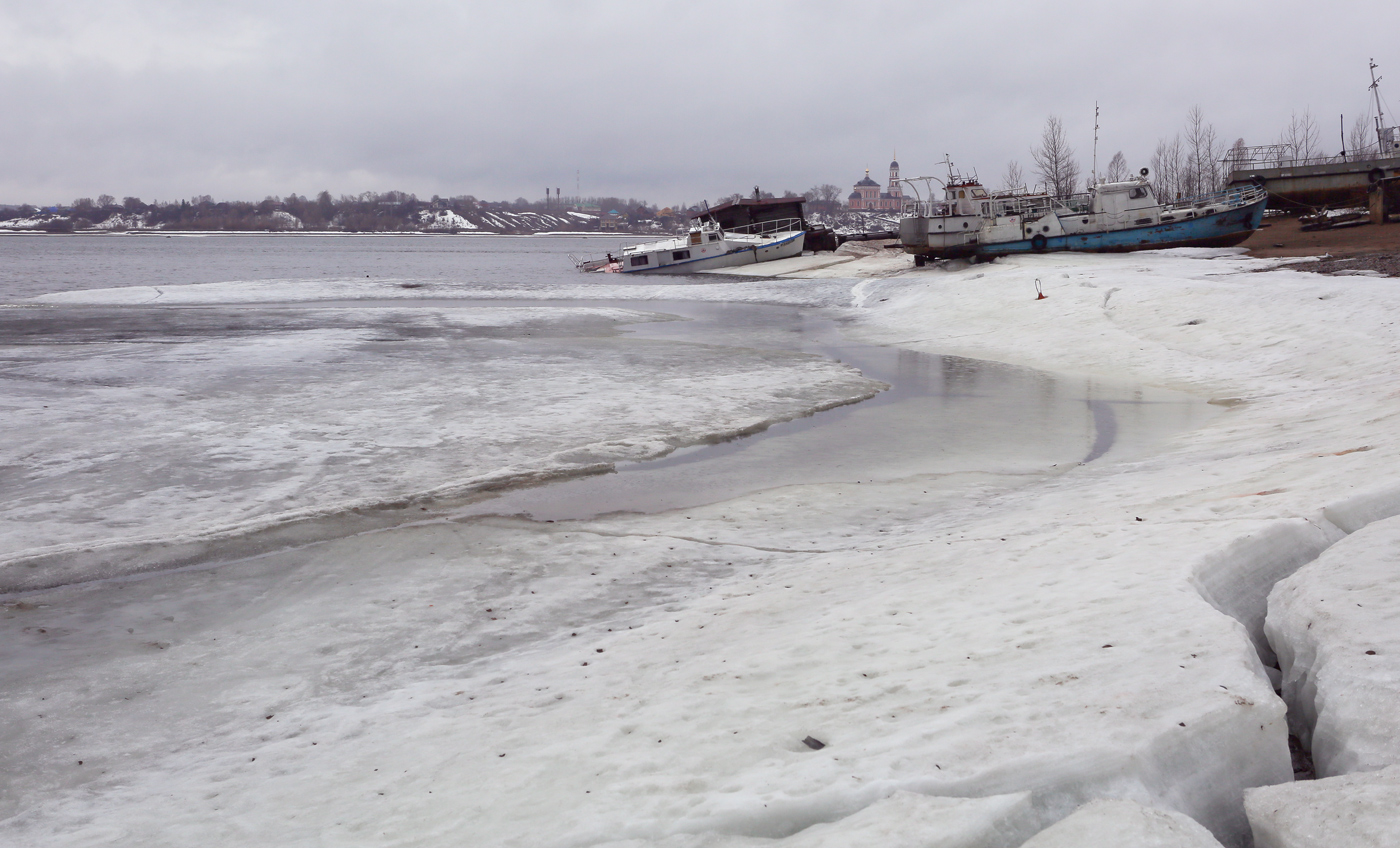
(735, 674)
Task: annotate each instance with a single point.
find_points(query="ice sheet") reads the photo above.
(138, 436)
(1336, 627)
(832, 292)
(1050, 638)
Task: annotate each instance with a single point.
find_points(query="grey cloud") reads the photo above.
(667, 100)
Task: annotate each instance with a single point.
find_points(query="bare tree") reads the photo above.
(1361, 138)
(1013, 178)
(1237, 158)
(824, 197)
(1117, 169)
(1300, 137)
(1202, 173)
(1168, 163)
(1054, 160)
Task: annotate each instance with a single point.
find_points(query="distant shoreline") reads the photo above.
(14, 231)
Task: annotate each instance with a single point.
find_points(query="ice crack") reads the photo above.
(712, 542)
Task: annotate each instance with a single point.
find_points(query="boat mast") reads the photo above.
(1380, 122)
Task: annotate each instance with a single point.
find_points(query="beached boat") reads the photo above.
(1111, 217)
(707, 247)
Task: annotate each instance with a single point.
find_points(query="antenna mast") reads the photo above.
(1094, 173)
(1376, 90)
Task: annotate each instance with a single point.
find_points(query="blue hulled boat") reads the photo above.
(1112, 217)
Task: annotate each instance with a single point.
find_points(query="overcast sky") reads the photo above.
(667, 101)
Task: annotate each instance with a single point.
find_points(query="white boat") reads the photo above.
(706, 247)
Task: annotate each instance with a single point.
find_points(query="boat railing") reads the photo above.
(591, 262)
(767, 228)
(926, 209)
(1030, 205)
(1230, 197)
(1287, 156)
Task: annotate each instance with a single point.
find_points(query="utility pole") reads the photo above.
(1376, 90)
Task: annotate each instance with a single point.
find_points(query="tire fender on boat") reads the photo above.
(1375, 175)
(1038, 242)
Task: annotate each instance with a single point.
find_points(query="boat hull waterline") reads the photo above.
(1223, 229)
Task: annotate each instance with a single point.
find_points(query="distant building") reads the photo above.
(867, 194)
(612, 222)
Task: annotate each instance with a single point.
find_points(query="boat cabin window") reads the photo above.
(962, 194)
(639, 260)
(695, 238)
(979, 192)
(678, 255)
(714, 236)
(986, 208)
(1137, 193)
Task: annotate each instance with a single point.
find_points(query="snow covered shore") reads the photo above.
(780, 669)
(1305, 363)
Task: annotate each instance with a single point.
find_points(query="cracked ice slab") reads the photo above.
(903, 820)
(1123, 823)
(1336, 627)
(1354, 810)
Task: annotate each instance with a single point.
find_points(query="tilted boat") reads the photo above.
(1111, 217)
(706, 247)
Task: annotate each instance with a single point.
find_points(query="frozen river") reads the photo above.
(175, 424)
(430, 541)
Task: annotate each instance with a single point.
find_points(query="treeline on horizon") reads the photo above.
(389, 211)
(392, 211)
